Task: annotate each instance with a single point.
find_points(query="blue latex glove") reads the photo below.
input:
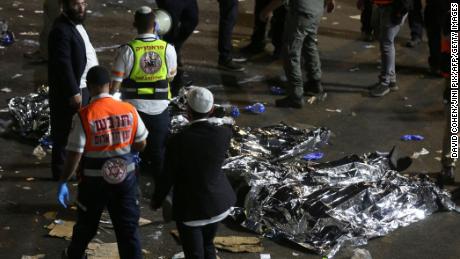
(63, 194)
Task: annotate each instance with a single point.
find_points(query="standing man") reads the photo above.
(103, 136)
(71, 55)
(184, 15)
(202, 194)
(51, 10)
(300, 36)
(142, 72)
(391, 15)
(228, 12)
(257, 44)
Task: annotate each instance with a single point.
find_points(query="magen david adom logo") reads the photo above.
(150, 62)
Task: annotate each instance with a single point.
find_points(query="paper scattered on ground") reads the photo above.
(178, 256)
(16, 76)
(265, 256)
(335, 23)
(422, 152)
(361, 253)
(29, 33)
(438, 158)
(101, 49)
(39, 152)
(5, 90)
(235, 244)
(39, 256)
(30, 179)
(256, 78)
(63, 230)
(196, 31)
(102, 251)
(334, 110)
(369, 46)
(38, 11)
(238, 244)
(355, 17)
(353, 69)
(295, 254)
(50, 215)
(143, 222)
(27, 188)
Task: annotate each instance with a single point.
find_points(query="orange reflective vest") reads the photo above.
(110, 126)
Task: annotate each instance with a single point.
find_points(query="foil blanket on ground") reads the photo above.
(325, 206)
(31, 114)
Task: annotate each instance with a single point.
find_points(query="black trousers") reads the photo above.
(61, 115)
(184, 14)
(198, 242)
(153, 155)
(366, 17)
(433, 26)
(122, 203)
(228, 12)
(416, 20)
(277, 25)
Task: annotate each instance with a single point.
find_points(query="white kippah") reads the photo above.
(144, 10)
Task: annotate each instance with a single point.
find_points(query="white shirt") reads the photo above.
(91, 58)
(77, 137)
(203, 222)
(124, 63)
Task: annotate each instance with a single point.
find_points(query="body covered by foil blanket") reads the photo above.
(325, 206)
(31, 114)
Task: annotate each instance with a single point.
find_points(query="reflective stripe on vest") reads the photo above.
(110, 127)
(148, 77)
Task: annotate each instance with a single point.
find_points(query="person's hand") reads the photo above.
(360, 4)
(330, 6)
(63, 194)
(75, 102)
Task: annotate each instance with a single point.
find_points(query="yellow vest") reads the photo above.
(148, 78)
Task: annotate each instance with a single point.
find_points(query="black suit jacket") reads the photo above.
(193, 166)
(66, 62)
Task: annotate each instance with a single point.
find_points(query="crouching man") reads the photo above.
(103, 136)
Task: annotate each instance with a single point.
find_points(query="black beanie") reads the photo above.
(98, 75)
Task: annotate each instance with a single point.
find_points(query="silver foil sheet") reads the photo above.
(325, 206)
(31, 114)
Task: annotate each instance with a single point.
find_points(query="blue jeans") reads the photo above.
(122, 201)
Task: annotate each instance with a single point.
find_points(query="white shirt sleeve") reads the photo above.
(171, 60)
(123, 63)
(141, 132)
(77, 137)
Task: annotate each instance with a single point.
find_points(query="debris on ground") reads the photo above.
(39, 256)
(178, 256)
(255, 108)
(63, 230)
(355, 17)
(369, 46)
(422, 152)
(239, 244)
(361, 253)
(265, 256)
(277, 90)
(102, 251)
(50, 215)
(353, 69)
(333, 110)
(5, 90)
(39, 152)
(313, 156)
(16, 76)
(410, 137)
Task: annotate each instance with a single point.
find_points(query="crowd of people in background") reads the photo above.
(88, 125)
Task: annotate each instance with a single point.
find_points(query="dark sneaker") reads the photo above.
(230, 65)
(313, 88)
(413, 43)
(252, 49)
(367, 36)
(393, 86)
(379, 90)
(287, 102)
(239, 58)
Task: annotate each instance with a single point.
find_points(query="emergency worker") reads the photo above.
(142, 72)
(103, 136)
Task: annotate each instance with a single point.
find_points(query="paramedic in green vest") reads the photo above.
(141, 72)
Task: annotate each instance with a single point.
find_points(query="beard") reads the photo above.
(76, 17)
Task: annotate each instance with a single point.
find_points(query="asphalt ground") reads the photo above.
(350, 66)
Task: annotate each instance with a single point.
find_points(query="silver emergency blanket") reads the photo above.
(31, 114)
(324, 206)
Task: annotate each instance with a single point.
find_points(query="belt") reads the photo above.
(98, 172)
